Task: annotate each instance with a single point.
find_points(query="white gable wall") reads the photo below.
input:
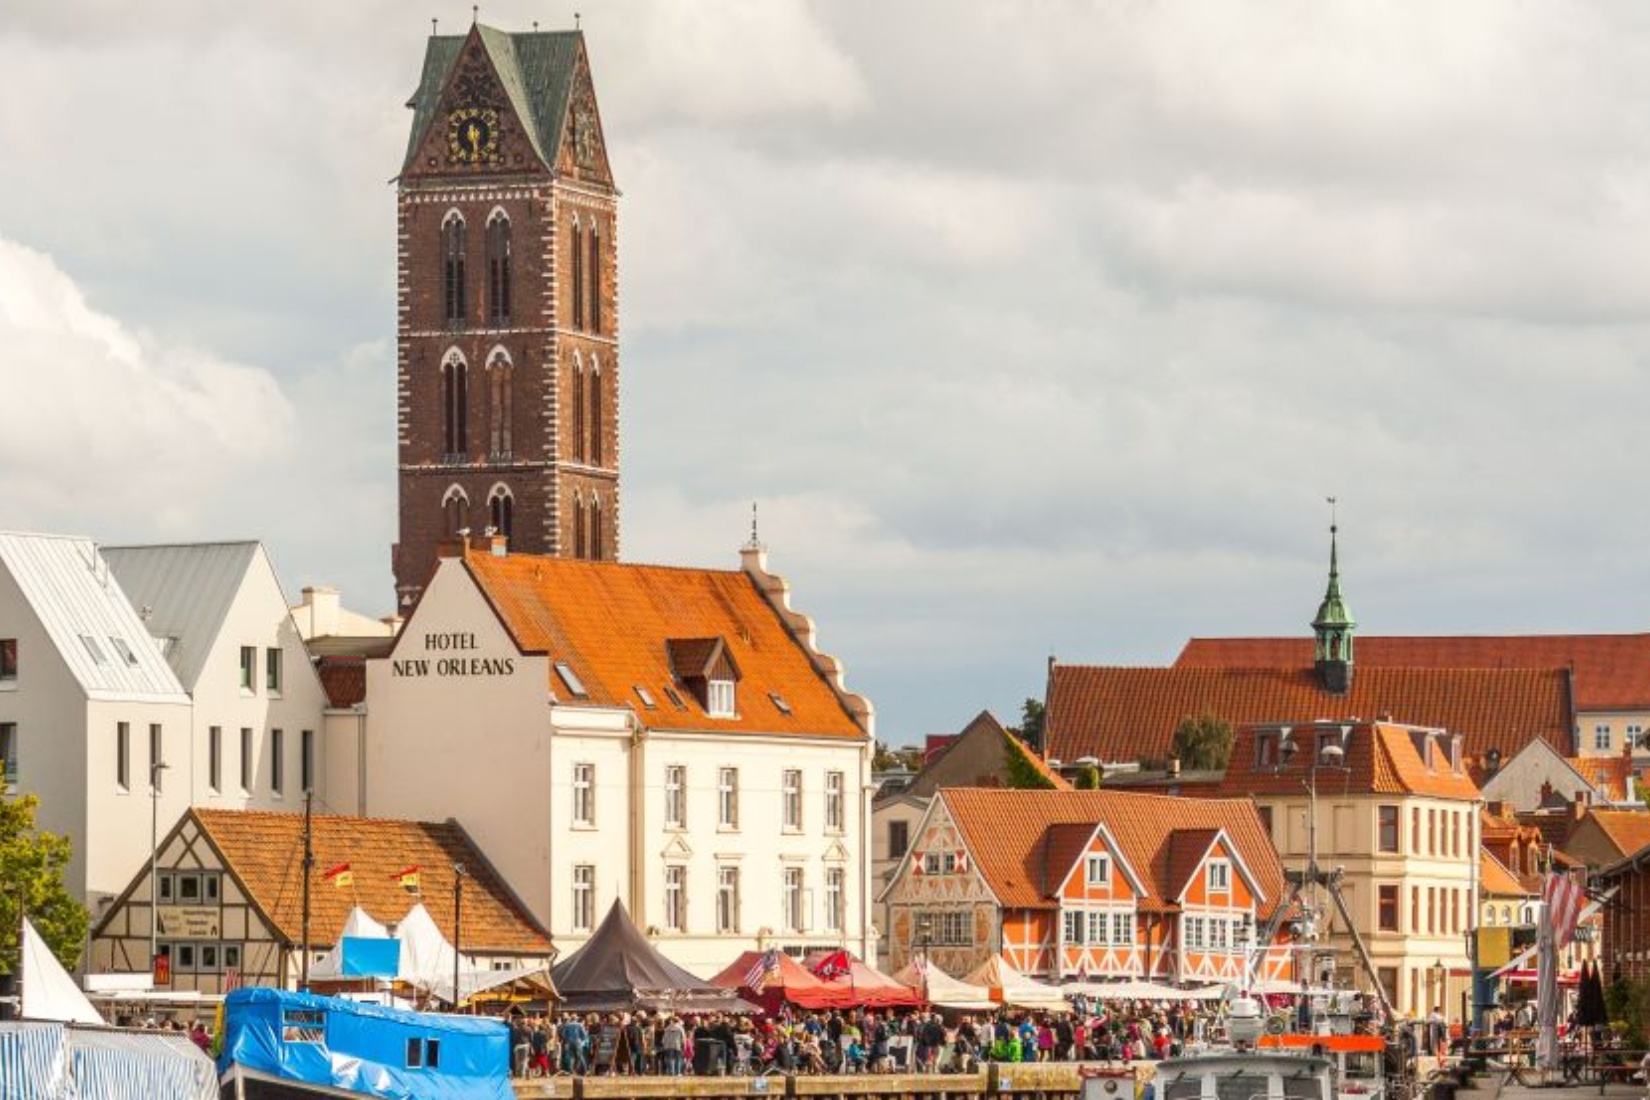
(443, 743)
(257, 617)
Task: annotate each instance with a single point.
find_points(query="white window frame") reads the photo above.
(214, 758)
(1074, 926)
(675, 898)
(791, 799)
(584, 897)
(835, 786)
(1601, 737)
(675, 796)
(277, 762)
(1099, 927)
(1122, 928)
(727, 798)
(1100, 861)
(720, 699)
(836, 885)
(727, 898)
(584, 795)
(123, 756)
(249, 670)
(1220, 876)
(273, 672)
(791, 899)
(8, 755)
(248, 760)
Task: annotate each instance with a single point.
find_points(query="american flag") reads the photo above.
(757, 976)
(1563, 899)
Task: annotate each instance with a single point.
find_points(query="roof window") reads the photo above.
(571, 679)
(646, 697)
(779, 702)
(123, 649)
(675, 697)
(93, 648)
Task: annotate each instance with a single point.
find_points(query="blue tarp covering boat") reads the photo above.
(337, 1045)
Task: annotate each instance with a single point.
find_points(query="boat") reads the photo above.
(1358, 1062)
(1246, 1074)
(280, 1044)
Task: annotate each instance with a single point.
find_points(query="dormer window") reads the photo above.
(1220, 876)
(705, 668)
(719, 698)
(1097, 870)
(1266, 748)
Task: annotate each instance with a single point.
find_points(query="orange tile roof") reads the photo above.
(1628, 830)
(614, 624)
(1006, 831)
(1186, 848)
(1494, 878)
(265, 852)
(344, 679)
(1127, 714)
(1612, 671)
(1611, 776)
(1381, 758)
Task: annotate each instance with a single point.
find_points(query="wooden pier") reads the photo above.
(999, 1081)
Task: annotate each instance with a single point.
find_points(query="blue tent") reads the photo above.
(337, 1044)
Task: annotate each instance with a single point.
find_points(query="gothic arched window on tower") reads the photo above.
(503, 509)
(455, 508)
(595, 403)
(498, 268)
(578, 408)
(578, 525)
(595, 528)
(577, 254)
(455, 406)
(594, 276)
(500, 391)
(452, 266)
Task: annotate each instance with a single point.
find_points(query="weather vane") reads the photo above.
(1333, 523)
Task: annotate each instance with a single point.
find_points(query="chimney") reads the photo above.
(1578, 806)
(1496, 808)
(322, 603)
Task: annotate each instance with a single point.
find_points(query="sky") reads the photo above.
(1033, 327)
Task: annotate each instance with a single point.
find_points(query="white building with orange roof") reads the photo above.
(1099, 884)
(669, 737)
(1397, 813)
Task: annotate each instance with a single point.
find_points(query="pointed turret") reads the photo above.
(1334, 629)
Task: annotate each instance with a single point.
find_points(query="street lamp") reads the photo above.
(925, 932)
(1329, 754)
(458, 912)
(155, 768)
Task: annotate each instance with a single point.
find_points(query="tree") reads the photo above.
(1020, 772)
(1203, 743)
(1088, 778)
(1030, 729)
(31, 872)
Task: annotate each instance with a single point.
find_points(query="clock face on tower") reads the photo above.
(472, 136)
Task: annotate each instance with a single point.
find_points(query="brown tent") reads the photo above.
(617, 970)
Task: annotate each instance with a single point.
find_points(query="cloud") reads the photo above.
(100, 420)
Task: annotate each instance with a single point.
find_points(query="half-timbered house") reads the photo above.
(1096, 884)
(230, 888)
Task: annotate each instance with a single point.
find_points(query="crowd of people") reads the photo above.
(851, 1040)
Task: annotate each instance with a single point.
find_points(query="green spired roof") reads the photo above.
(535, 70)
(1333, 612)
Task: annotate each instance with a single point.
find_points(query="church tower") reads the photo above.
(507, 391)
(1333, 629)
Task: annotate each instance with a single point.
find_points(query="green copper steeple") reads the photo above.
(1334, 628)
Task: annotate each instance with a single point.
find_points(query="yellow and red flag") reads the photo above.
(341, 875)
(408, 877)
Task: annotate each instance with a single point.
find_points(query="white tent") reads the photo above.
(1131, 989)
(357, 924)
(941, 989)
(426, 956)
(1010, 987)
(48, 991)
